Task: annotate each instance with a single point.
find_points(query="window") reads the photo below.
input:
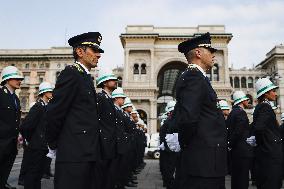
(143, 69)
(136, 69)
(215, 72)
(26, 79)
(41, 65)
(119, 81)
(231, 81)
(40, 77)
(237, 82)
(250, 82)
(244, 82)
(27, 66)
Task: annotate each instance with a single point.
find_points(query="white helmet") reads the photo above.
(282, 117)
(105, 77)
(118, 93)
(127, 103)
(45, 87)
(134, 110)
(224, 105)
(170, 106)
(263, 85)
(10, 72)
(239, 96)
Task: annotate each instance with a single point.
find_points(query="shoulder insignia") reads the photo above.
(78, 68)
(192, 67)
(5, 90)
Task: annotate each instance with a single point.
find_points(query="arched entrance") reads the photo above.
(166, 82)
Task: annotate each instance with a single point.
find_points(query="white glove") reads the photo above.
(51, 153)
(162, 146)
(251, 141)
(172, 141)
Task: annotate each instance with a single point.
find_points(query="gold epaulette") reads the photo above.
(192, 67)
(78, 68)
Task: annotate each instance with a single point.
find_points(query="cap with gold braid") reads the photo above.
(90, 39)
(200, 41)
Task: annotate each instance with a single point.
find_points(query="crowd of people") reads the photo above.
(97, 139)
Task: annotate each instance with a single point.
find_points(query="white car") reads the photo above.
(153, 143)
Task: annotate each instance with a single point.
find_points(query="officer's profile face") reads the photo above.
(246, 103)
(14, 83)
(226, 112)
(119, 101)
(89, 57)
(271, 95)
(207, 57)
(111, 84)
(48, 95)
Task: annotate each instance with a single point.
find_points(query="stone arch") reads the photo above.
(165, 62)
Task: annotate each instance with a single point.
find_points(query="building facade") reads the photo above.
(151, 67)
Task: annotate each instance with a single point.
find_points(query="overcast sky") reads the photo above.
(257, 25)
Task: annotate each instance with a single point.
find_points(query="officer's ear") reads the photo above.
(198, 52)
(80, 51)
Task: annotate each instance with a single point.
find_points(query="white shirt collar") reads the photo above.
(10, 90)
(84, 67)
(199, 68)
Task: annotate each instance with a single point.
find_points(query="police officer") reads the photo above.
(9, 121)
(224, 106)
(282, 136)
(202, 130)
(242, 152)
(107, 119)
(132, 143)
(118, 97)
(73, 125)
(170, 156)
(33, 129)
(268, 152)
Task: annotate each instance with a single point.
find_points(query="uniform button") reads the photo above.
(84, 131)
(100, 130)
(99, 119)
(8, 107)
(109, 113)
(89, 92)
(97, 103)
(116, 122)
(218, 145)
(275, 140)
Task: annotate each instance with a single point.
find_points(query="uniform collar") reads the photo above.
(118, 107)
(84, 67)
(199, 68)
(10, 90)
(106, 93)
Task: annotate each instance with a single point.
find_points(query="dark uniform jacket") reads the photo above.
(122, 145)
(33, 127)
(107, 119)
(267, 131)
(10, 115)
(202, 130)
(73, 126)
(239, 131)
